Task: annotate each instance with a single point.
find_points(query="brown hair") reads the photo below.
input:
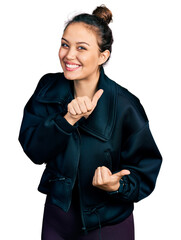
(104, 13)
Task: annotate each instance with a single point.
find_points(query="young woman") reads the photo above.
(94, 137)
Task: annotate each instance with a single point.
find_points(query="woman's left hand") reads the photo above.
(105, 180)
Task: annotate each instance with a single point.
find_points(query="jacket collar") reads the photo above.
(101, 121)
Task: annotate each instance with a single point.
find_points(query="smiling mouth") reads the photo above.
(71, 67)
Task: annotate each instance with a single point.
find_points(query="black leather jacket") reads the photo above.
(115, 135)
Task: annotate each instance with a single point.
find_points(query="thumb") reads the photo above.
(122, 173)
(96, 96)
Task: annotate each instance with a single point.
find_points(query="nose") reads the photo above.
(71, 54)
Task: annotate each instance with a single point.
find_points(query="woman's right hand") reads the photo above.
(82, 107)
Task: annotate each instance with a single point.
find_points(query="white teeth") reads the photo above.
(72, 66)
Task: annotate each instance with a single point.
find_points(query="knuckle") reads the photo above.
(79, 99)
(99, 182)
(103, 167)
(86, 98)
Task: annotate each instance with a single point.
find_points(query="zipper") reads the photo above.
(81, 210)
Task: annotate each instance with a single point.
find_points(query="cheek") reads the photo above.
(91, 59)
(61, 53)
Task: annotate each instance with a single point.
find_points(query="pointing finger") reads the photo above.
(122, 173)
(96, 96)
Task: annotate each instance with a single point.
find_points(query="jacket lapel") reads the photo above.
(101, 121)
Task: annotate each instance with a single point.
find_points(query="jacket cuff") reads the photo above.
(65, 125)
(120, 190)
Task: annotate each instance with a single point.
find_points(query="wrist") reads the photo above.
(118, 190)
(113, 188)
(69, 119)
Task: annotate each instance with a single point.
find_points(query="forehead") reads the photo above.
(80, 32)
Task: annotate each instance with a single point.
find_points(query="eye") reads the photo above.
(81, 48)
(64, 45)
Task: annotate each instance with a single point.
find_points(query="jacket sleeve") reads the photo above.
(139, 155)
(41, 135)
(142, 157)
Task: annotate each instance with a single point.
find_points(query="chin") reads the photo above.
(71, 75)
(68, 77)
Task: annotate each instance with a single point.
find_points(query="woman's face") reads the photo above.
(79, 53)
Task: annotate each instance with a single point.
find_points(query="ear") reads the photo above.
(104, 57)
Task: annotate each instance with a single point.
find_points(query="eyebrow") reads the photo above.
(76, 42)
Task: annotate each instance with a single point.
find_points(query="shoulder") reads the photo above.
(49, 79)
(46, 91)
(130, 103)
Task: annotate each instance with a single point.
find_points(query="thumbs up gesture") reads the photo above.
(82, 107)
(105, 180)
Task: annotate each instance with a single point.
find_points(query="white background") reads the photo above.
(146, 59)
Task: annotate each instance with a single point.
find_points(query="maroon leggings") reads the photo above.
(59, 225)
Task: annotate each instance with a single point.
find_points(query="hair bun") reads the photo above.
(104, 13)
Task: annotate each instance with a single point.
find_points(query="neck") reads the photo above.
(86, 87)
